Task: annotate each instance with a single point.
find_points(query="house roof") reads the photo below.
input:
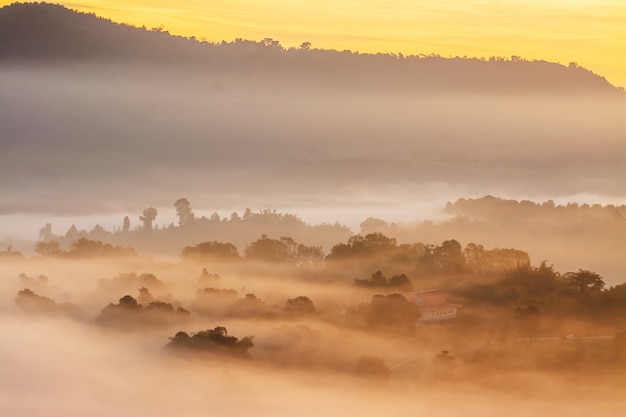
(429, 299)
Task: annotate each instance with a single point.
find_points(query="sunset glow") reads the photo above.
(589, 32)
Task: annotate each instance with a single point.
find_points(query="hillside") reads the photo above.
(42, 32)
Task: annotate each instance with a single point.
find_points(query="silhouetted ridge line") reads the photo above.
(52, 33)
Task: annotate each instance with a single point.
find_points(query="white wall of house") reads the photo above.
(436, 315)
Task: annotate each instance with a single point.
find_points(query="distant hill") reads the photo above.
(42, 32)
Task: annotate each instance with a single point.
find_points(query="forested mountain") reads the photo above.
(47, 32)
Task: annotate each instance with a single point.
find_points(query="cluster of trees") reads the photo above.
(535, 291)
(299, 306)
(526, 294)
(590, 234)
(40, 281)
(593, 231)
(283, 250)
(374, 249)
(211, 252)
(207, 276)
(503, 278)
(127, 281)
(11, 253)
(375, 246)
(215, 340)
(374, 243)
(131, 313)
(221, 303)
(82, 248)
(386, 313)
(398, 282)
(380, 244)
(523, 297)
(531, 282)
(31, 302)
(499, 280)
(537, 216)
(146, 310)
(448, 258)
(238, 229)
(213, 301)
(370, 250)
(251, 306)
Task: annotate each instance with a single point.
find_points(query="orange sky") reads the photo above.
(589, 32)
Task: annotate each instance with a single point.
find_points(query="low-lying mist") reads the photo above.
(57, 363)
(165, 282)
(108, 139)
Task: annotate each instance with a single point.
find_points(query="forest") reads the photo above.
(365, 282)
(240, 304)
(369, 311)
(546, 231)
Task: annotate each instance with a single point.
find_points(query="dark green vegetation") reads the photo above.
(130, 313)
(213, 340)
(82, 248)
(30, 302)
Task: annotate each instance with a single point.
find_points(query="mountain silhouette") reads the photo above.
(48, 33)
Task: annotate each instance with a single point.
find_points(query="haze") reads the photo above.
(71, 362)
(242, 228)
(119, 142)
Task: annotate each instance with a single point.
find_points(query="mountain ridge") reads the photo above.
(49, 33)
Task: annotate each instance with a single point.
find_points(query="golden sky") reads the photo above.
(589, 32)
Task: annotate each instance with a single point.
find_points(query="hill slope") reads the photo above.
(52, 33)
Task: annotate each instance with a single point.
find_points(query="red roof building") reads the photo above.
(433, 304)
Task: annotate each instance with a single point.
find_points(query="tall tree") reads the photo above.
(583, 281)
(183, 211)
(126, 227)
(148, 217)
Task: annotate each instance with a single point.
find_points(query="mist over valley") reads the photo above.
(237, 228)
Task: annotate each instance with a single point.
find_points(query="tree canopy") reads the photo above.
(216, 340)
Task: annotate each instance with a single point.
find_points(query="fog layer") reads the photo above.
(79, 140)
(55, 364)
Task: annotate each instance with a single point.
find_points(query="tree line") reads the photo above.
(62, 34)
